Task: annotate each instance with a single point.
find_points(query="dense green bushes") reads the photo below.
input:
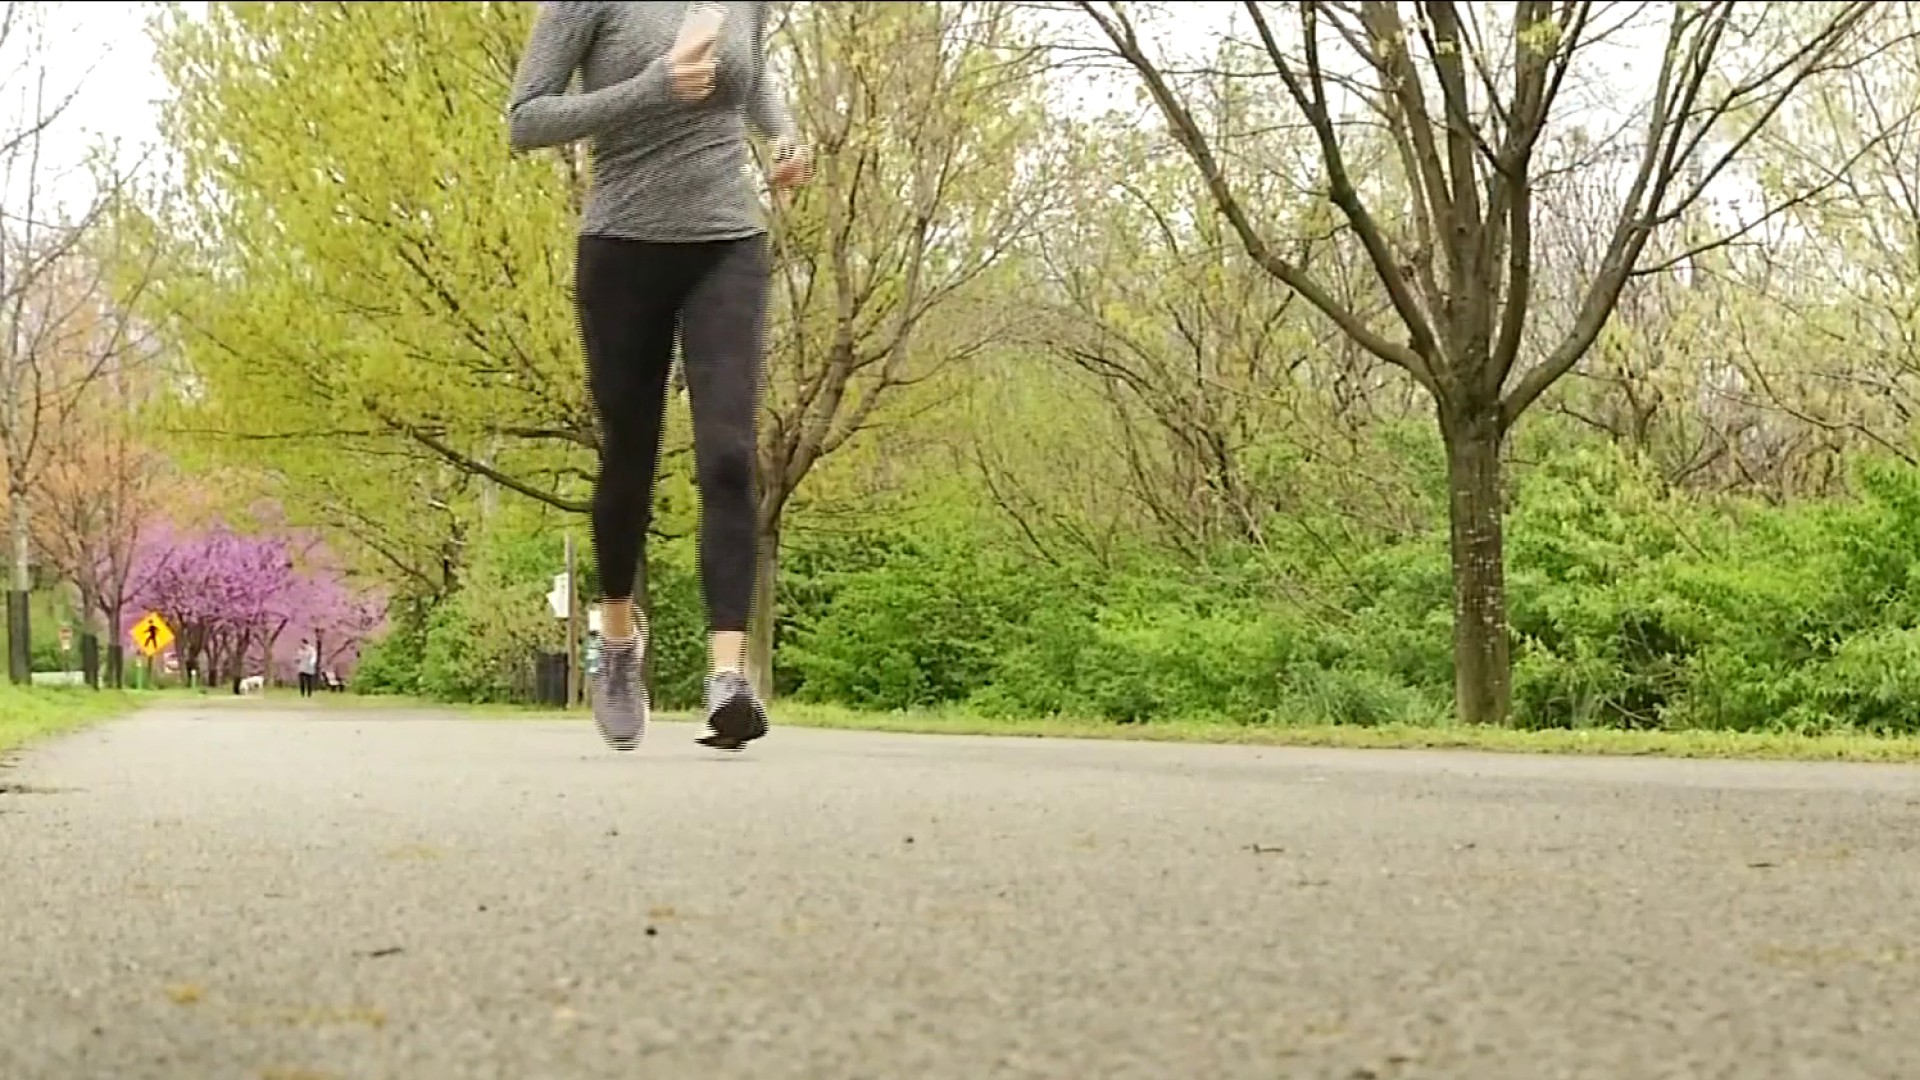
(477, 645)
(1631, 607)
(1654, 612)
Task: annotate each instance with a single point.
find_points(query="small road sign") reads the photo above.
(152, 635)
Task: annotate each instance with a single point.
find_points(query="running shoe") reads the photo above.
(735, 716)
(619, 696)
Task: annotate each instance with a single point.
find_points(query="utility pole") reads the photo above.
(19, 443)
(19, 577)
(573, 630)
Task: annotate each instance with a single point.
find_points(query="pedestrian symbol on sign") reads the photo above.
(151, 635)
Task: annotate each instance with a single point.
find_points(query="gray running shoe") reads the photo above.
(619, 697)
(735, 716)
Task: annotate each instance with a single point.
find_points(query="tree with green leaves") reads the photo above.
(1474, 100)
(359, 270)
(927, 121)
(370, 294)
(1839, 362)
(1236, 414)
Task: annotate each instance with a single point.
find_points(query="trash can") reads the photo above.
(550, 679)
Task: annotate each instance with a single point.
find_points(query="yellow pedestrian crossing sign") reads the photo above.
(151, 635)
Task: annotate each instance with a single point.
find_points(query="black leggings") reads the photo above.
(632, 296)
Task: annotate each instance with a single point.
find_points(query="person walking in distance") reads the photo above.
(309, 666)
(671, 240)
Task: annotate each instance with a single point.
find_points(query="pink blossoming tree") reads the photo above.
(240, 605)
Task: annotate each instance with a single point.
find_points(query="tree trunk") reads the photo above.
(89, 642)
(766, 584)
(116, 650)
(1482, 669)
(19, 592)
(271, 643)
(237, 663)
(90, 658)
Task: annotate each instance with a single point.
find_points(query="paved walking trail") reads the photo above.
(279, 892)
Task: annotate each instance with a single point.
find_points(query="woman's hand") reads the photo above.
(792, 165)
(691, 66)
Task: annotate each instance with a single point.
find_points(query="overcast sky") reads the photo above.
(100, 54)
(100, 51)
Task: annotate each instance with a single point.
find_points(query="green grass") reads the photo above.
(28, 713)
(1778, 746)
(1678, 744)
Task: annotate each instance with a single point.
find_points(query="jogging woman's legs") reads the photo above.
(723, 351)
(626, 293)
(722, 347)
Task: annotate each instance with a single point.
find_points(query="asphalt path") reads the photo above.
(278, 892)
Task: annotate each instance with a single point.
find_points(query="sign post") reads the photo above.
(562, 603)
(573, 630)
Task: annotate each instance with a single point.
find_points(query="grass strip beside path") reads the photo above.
(1677, 744)
(1776, 746)
(29, 713)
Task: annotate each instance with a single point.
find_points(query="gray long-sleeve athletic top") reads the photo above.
(663, 170)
